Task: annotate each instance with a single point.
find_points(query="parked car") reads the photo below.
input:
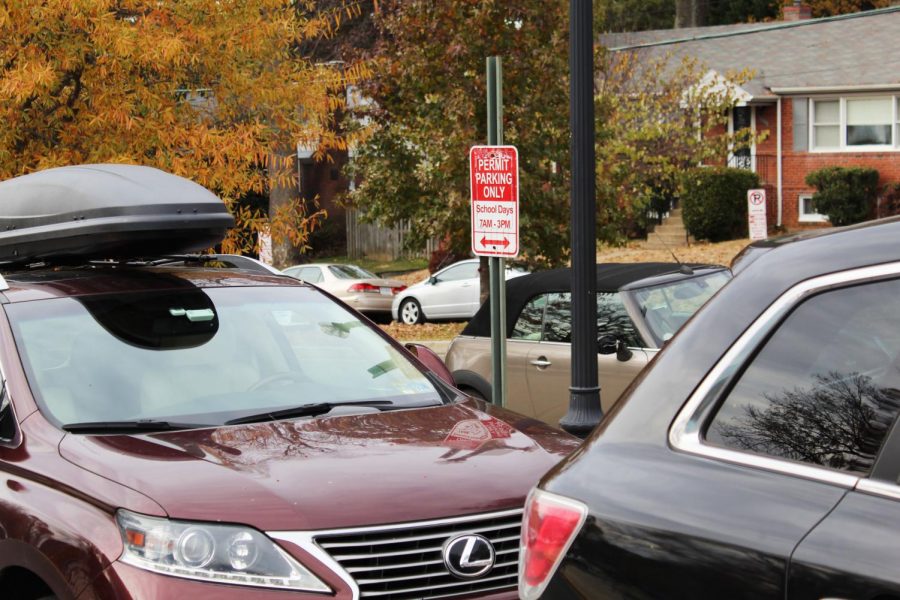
(366, 292)
(183, 431)
(759, 456)
(640, 306)
(454, 292)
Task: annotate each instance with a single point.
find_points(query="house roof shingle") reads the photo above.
(862, 49)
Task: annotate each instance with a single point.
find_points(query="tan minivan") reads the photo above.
(639, 307)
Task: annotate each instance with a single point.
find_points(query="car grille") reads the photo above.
(405, 562)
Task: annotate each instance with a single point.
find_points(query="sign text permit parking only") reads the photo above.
(494, 181)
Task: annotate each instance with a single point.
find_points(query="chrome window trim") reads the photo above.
(306, 540)
(883, 489)
(684, 433)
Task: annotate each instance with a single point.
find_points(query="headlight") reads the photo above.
(209, 552)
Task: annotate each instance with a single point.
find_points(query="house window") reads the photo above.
(808, 212)
(827, 124)
(869, 121)
(854, 123)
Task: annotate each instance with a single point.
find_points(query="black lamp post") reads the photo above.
(584, 401)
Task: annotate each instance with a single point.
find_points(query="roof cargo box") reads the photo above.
(106, 211)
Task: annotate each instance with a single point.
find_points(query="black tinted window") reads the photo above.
(558, 318)
(612, 319)
(528, 325)
(825, 388)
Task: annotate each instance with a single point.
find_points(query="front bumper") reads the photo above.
(124, 582)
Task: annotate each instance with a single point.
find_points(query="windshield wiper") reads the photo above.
(141, 425)
(305, 410)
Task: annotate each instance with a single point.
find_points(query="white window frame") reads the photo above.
(843, 147)
(808, 217)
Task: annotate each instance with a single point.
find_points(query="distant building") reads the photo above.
(826, 91)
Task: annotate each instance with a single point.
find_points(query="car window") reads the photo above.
(460, 272)
(825, 388)
(350, 272)
(558, 318)
(310, 274)
(205, 356)
(612, 319)
(528, 325)
(668, 306)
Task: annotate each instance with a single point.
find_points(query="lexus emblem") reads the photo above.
(469, 555)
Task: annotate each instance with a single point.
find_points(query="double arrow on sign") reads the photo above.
(486, 242)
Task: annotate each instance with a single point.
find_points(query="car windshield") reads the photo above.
(668, 306)
(205, 356)
(351, 272)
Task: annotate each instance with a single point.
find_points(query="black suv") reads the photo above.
(759, 456)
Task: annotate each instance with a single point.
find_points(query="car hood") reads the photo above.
(332, 472)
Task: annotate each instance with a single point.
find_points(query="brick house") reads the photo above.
(826, 91)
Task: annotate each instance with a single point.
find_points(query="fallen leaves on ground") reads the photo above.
(424, 331)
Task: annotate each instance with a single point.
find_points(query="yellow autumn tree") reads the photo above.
(206, 89)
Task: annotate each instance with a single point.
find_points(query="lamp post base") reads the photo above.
(584, 412)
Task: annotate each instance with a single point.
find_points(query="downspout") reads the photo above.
(778, 163)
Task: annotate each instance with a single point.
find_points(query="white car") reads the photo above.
(364, 291)
(451, 293)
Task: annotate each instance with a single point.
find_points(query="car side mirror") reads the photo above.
(432, 280)
(607, 344)
(623, 352)
(431, 361)
(8, 429)
(610, 344)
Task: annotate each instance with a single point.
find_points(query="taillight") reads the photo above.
(398, 289)
(366, 288)
(550, 525)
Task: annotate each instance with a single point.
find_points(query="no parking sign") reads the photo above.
(756, 214)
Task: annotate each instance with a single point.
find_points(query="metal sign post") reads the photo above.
(497, 264)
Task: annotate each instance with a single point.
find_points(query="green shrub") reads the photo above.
(844, 195)
(890, 201)
(714, 202)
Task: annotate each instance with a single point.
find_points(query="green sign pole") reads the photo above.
(497, 265)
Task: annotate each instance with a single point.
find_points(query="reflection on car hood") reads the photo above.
(334, 472)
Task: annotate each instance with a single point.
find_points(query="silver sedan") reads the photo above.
(364, 291)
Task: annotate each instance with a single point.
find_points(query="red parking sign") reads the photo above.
(494, 181)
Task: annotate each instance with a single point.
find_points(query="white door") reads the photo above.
(454, 294)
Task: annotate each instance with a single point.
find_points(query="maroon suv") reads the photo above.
(173, 430)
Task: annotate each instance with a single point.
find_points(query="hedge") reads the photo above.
(845, 195)
(714, 202)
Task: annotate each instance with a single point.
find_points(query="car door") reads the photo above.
(854, 552)
(549, 372)
(820, 398)
(525, 336)
(454, 293)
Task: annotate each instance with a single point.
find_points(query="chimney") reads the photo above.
(797, 12)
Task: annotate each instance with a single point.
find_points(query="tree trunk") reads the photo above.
(283, 192)
(691, 13)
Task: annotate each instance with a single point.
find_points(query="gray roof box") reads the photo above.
(106, 211)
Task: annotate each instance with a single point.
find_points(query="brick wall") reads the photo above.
(795, 165)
